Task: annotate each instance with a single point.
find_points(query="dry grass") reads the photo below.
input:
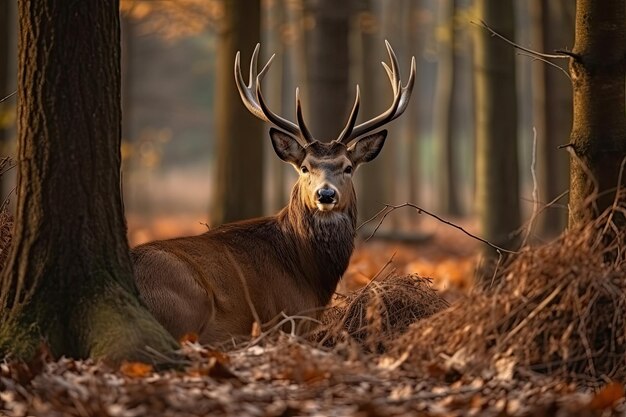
(379, 312)
(558, 309)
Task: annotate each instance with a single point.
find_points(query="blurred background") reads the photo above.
(193, 157)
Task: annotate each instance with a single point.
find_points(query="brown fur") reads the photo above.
(290, 262)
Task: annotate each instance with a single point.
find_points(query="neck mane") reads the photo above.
(324, 241)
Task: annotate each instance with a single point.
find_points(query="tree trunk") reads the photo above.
(414, 38)
(497, 188)
(5, 62)
(598, 138)
(329, 96)
(239, 180)
(447, 186)
(374, 178)
(273, 26)
(68, 280)
(552, 110)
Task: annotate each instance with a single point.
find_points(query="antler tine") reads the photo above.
(345, 133)
(253, 98)
(306, 134)
(401, 97)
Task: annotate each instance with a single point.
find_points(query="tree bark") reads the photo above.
(68, 280)
(328, 71)
(552, 110)
(5, 62)
(497, 187)
(239, 180)
(447, 184)
(598, 138)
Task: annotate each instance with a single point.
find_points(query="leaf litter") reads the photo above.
(547, 339)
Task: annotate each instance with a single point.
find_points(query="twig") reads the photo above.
(534, 53)
(536, 311)
(8, 97)
(535, 192)
(552, 64)
(390, 208)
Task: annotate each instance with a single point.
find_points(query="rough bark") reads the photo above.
(68, 279)
(497, 188)
(598, 138)
(328, 71)
(552, 110)
(447, 184)
(239, 179)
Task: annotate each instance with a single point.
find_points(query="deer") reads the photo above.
(216, 285)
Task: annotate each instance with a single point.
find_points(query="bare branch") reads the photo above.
(8, 97)
(534, 53)
(552, 64)
(390, 208)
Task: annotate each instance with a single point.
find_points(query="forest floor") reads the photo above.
(531, 349)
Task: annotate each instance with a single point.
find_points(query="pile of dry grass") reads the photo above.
(558, 309)
(379, 312)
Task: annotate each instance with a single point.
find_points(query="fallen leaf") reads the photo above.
(136, 369)
(189, 338)
(607, 396)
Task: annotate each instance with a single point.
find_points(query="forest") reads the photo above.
(231, 208)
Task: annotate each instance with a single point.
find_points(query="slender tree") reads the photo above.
(374, 189)
(552, 108)
(239, 179)
(68, 280)
(5, 62)
(328, 71)
(447, 184)
(598, 138)
(497, 188)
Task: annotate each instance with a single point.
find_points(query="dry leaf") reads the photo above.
(136, 369)
(607, 396)
(189, 338)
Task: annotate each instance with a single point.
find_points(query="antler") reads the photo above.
(253, 99)
(401, 97)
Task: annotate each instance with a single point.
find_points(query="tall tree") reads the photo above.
(5, 63)
(598, 138)
(552, 108)
(328, 71)
(239, 180)
(69, 279)
(447, 184)
(497, 187)
(374, 189)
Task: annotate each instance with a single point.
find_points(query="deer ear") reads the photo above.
(287, 147)
(367, 148)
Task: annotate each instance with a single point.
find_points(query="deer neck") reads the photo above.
(323, 241)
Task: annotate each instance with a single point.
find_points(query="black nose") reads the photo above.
(326, 195)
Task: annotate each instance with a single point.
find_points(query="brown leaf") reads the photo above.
(607, 396)
(189, 338)
(136, 369)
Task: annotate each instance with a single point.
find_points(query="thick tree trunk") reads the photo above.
(328, 72)
(497, 188)
(552, 109)
(447, 184)
(68, 280)
(239, 180)
(598, 138)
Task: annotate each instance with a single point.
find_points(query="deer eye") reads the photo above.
(304, 169)
(348, 169)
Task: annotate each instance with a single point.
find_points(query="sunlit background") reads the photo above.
(169, 104)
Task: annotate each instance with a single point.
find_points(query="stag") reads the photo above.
(218, 284)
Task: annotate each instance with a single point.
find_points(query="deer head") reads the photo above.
(325, 168)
